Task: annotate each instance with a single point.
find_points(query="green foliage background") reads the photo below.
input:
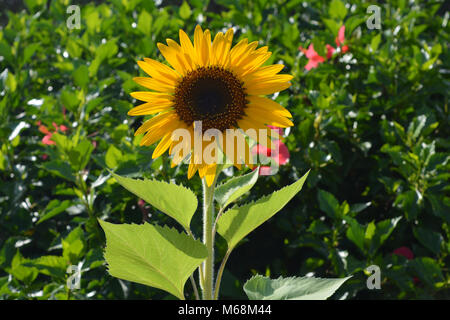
(372, 126)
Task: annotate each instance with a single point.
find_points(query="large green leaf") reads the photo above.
(174, 200)
(238, 222)
(235, 187)
(156, 256)
(292, 288)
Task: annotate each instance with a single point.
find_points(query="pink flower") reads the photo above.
(340, 39)
(141, 205)
(330, 51)
(313, 56)
(405, 252)
(46, 140)
(48, 134)
(281, 158)
(283, 155)
(339, 42)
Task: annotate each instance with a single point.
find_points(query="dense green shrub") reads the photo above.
(371, 124)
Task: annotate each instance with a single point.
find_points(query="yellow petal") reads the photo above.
(157, 132)
(160, 119)
(247, 125)
(202, 170)
(240, 53)
(150, 108)
(265, 72)
(186, 44)
(192, 169)
(163, 145)
(154, 84)
(156, 70)
(271, 119)
(210, 174)
(217, 48)
(253, 62)
(170, 54)
(266, 87)
(149, 96)
(267, 105)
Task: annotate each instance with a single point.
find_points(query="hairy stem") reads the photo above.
(208, 216)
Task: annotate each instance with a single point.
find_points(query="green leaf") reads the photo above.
(292, 288)
(11, 82)
(53, 208)
(328, 203)
(355, 233)
(238, 222)
(29, 51)
(113, 156)
(156, 256)
(104, 51)
(74, 245)
(358, 207)
(185, 10)
(429, 239)
(375, 42)
(174, 200)
(20, 269)
(231, 190)
(81, 76)
(428, 270)
(70, 100)
(79, 156)
(337, 10)
(332, 25)
(370, 231)
(408, 202)
(52, 266)
(60, 168)
(383, 231)
(144, 22)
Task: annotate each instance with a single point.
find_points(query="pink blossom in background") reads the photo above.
(405, 252)
(46, 140)
(281, 159)
(340, 39)
(48, 134)
(330, 51)
(408, 254)
(141, 205)
(284, 155)
(313, 56)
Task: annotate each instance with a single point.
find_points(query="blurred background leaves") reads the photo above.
(372, 125)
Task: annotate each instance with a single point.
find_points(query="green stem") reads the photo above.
(194, 286)
(208, 215)
(219, 275)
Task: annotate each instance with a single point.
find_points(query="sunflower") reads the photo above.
(211, 83)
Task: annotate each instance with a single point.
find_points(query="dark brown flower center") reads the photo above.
(212, 95)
